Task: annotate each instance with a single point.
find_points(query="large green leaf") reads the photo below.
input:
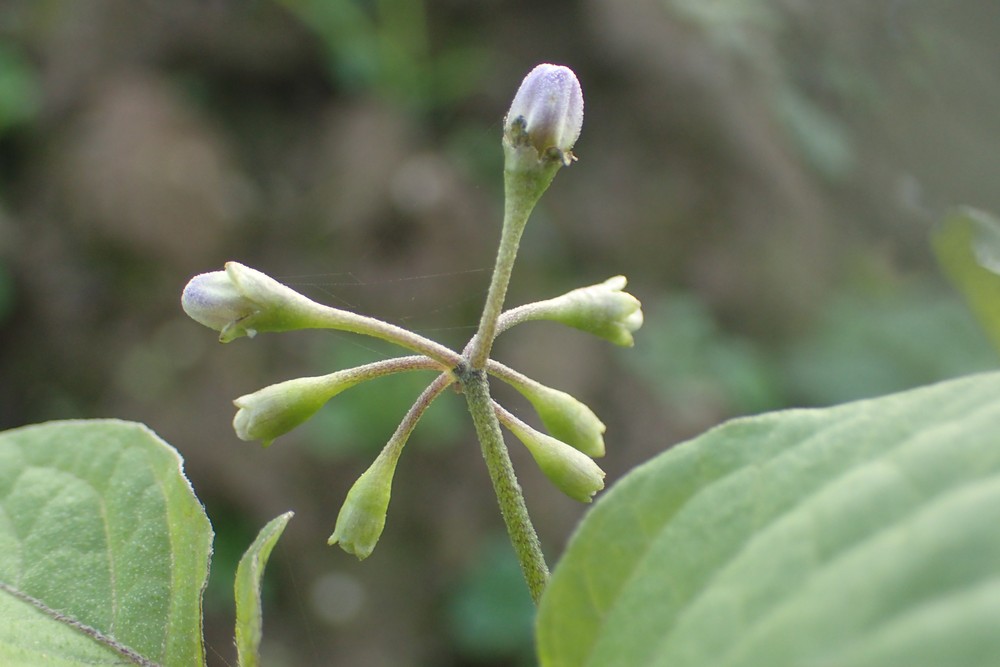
(104, 548)
(249, 573)
(862, 535)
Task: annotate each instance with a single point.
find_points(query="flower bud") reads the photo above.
(241, 301)
(566, 418)
(212, 299)
(603, 310)
(571, 470)
(275, 410)
(362, 517)
(547, 112)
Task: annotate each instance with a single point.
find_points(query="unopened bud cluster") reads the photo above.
(540, 130)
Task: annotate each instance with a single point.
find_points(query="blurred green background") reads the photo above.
(766, 174)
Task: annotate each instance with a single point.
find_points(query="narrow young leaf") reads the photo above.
(968, 249)
(249, 573)
(862, 535)
(104, 548)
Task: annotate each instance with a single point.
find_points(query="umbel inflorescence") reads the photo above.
(540, 130)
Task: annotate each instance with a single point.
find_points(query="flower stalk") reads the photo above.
(241, 301)
(362, 516)
(540, 130)
(277, 409)
(521, 531)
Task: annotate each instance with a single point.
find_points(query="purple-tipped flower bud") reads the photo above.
(213, 300)
(241, 301)
(547, 112)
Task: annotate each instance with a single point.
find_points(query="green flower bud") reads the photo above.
(547, 113)
(275, 410)
(362, 517)
(604, 310)
(571, 470)
(566, 418)
(241, 301)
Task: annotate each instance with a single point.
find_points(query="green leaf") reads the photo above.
(20, 92)
(249, 573)
(861, 535)
(104, 548)
(968, 248)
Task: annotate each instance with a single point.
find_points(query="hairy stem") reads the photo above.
(377, 369)
(526, 178)
(416, 411)
(505, 485)
(482, 343)
(341, 320)
(522, 190)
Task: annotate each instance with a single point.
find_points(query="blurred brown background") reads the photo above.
(766, 174)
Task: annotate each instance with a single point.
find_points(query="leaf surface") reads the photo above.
(104, 548)
(861, 535)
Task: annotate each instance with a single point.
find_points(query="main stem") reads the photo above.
(521, 192)
(522, 188)
(508, 491)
